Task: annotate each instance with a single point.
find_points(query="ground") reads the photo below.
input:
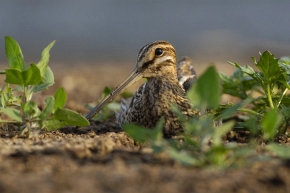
(102, 158)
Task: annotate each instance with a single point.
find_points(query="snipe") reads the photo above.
(156, 62)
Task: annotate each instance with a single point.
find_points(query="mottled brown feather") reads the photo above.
(153, 100)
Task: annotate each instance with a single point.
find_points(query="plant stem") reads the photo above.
(269, 96)
(9, 121)
(281, 97)
(248, 111)
(24, 92)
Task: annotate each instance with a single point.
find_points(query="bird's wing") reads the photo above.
(185, 73)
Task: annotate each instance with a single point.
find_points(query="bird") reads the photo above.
(185, 73)
(153, 100)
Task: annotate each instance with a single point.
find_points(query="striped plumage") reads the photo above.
(185, 73)
(157, 63)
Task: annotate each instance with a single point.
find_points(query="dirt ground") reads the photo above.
(102, 158)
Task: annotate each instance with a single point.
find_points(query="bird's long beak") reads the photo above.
(131, 79)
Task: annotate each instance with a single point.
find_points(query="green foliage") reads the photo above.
(238, 85)
(270, 123)
(65, 117)
(273, 74)
(31, 76)
(206, 92)
(267, 90)
(281, 151)
(60, 99)
(12, 113)
(14, 54)
(264, 104)
(37, 77)
(142, 134)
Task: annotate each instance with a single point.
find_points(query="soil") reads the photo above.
(102, 158)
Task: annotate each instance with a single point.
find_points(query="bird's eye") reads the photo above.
(158, 52)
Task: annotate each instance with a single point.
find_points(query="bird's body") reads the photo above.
(154, 100)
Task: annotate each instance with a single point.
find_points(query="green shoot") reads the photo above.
(28, 80)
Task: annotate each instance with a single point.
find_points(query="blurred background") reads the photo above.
(100, 40)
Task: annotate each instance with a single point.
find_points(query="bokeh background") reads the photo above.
(98, 41)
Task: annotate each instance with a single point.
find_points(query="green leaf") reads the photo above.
(4, 97)
(42, 64)
(285, 68)
(238, 84)
(70, 118)
(14, 76)
(31, 76)
(12, 113)
(30, 108)
(270, 123)
(47, 109)
(47, 81)
(181, 157)
(218, 155)
(206, 91)
(269, 66)
(232, 110)
(284, 64)
(14, 54)
(107, 90)
(65, 117)
(281, 151)
(230, 86)
(221, 131)
(254, 60)
(142, 134)
(60, 99)
(53, 124)
(284, 60)
(250, 71)
(138, 133)
(253, 125)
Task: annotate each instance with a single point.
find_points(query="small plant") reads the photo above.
(263, 101)
(16, 102)
(266, 89)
